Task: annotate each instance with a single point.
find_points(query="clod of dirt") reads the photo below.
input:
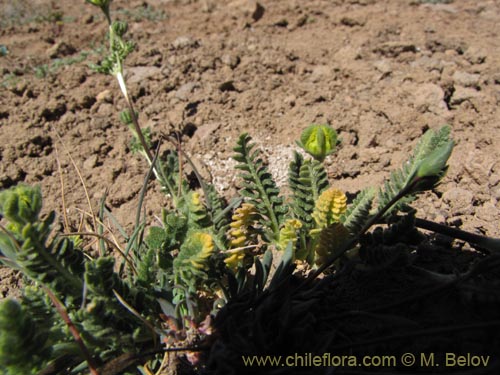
(105, 96)
(87, 101)
(227, 86)
(230, 60)
(39, 145)
(248, 8)
(184, 92)
(466, 79)
(185, 42)
(53, 111)
(91, 162)
(476, 55)
(140, 74)
(462, 94)
(459, 200)
(394, 49)
(11, 175)
(430, 98)
(352, 21)
(61, 49)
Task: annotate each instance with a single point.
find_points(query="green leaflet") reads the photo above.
(259, 188)
(307, 180)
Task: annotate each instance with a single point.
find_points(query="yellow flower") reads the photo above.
(196, 250)
(235, 258)
(289, 232)
(331, 204)
(244, 219)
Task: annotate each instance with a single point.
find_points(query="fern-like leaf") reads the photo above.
(307, 180)
(58, 263)
(217, 211)
(435, 145)
(358, 212)
(259, 187)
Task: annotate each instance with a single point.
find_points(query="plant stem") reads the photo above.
(74, 331)
(492, 244)
(135, 121)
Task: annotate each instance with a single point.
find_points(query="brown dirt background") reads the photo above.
(380, 72)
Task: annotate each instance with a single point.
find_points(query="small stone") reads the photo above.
(291, 100)
(321, 73)
(249, 8)
(455, 221)
(227, 86)
(230, 60)
(20, 88)
(207, 63)
(494, 179)
(394, 49)
(351, 22)
(200, 167)
(90, 163)
(185, 42)
(60, 49)
(430, 98)
(466, 79)
(139, 74)
(383, 66)
(475, 55)
(496, 193)
(301, 21)
(185, 91)
(459, 200)
(461, 94)
(88, 19)
(105, 96)
(487, 212)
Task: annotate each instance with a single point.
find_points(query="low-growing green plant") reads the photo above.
(83, 313)
(183, 269)
(44, 70)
